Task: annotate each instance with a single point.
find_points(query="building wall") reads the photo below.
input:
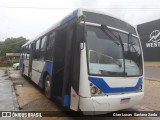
(150, 38)
(1, 58)
(13, 56)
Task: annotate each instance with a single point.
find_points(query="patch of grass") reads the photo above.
(8, 63)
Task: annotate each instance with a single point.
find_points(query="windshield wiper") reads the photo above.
(124, 73)
(131, 44)
(103, 28)
(129, 53)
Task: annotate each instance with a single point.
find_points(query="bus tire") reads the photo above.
(47, 86)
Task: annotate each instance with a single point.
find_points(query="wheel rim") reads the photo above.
(47, 86)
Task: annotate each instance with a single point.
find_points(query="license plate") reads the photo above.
(125, 100)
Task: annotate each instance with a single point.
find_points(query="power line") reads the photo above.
(28, 7)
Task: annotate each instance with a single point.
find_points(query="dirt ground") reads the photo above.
(152, 64)
(31, 98)
(151, 95)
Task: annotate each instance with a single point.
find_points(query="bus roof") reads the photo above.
(76, 13)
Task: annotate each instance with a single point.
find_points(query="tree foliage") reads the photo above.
(12, 45)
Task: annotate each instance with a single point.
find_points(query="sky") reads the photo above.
(28, 18)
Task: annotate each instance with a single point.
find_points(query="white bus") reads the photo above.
(89, 61)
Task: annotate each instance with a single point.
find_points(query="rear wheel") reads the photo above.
(47, 86)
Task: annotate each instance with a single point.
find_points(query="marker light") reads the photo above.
(140, 88)
(94, 90)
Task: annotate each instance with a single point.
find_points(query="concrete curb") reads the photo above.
(14, 94)
(15, 101)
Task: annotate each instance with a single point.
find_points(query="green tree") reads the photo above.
(12, 45)
(0, 47)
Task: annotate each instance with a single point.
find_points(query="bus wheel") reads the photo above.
(47, 87)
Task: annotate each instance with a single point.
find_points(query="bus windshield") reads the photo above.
(107, 57)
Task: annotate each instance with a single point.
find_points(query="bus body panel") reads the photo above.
(37, 67)
(26, 66)
(142, 59)
(117, 85)
(84, 89)
(25, 70)
(74, 100)
(47, 69)
(105, 104)
(38, 71)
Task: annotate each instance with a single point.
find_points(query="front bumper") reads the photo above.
(106, 104)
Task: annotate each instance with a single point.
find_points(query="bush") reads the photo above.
(8, 63)
(14, 61)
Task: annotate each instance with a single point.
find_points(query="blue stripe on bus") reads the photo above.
(66, 101)
(104, 87)
(69, 17)
(47, 68)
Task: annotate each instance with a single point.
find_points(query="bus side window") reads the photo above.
(50, 46)
(22, 53)
(37, 52)
(37, 44)
(25, 52)
(28, 51)
(43, 42)
(43, 47)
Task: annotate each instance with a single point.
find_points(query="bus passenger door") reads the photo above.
(59, 64)
(78, 37)
(63, 61)
(66, 67)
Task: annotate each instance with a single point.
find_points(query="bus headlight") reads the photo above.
(94, 90)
